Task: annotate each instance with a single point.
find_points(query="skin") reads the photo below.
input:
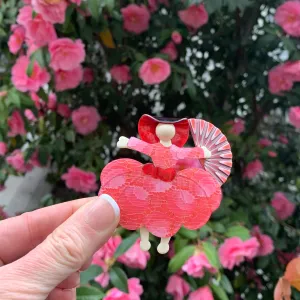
(43, 252)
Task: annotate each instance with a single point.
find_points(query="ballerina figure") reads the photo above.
(157, 197)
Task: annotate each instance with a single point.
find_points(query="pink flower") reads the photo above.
(3, 149)
(264, 143)
(34, 159)
(28, 2)
(29, 115)
(170, 50)
(272, 154)
(253, 169)
(52, 10)
(177, 287)
(292, 70)
(40, 31)
(294, 116)
(134, 257)
(64, 110)
(234, 251)
(231, 252)
(88, 75)
(85, 119)
(176, 37)
(31, 47)
(120, 73)
(266, 245)
(279, 81)
(135, 291)
(16, 39)
(288, 17)
(52, 100)
(103, 278)
(16, 160)
(283, 139)
(80, 181)
(251, 247)
(25, 15)
(284, 208)
(38, 102)
(107, 251)
(104, 257)
(66, 54)
(136, 18)
(237, 126)
(65, 80)
(202, 293)
(22, 81)
(154, 71)
(197, 264)
(195, 16)
(16, 124)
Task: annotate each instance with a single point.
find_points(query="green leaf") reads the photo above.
(179, 243)
(126, 244)
(70, 136)
(212, 6)
(28, 153)
(239, 231)
(38, 56)
(180, 258)
(219, 292)
(88, 275)
(43, 155)
(211, 254)
(191, 88)
(30, 68)
(226, 284)
(189, 234)
(119, 279)
(94, 8)
(110, 4)
(13, 98)
(262, 262)
(89, 293)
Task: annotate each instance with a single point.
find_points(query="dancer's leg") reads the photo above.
(163, 246)
(144, 244)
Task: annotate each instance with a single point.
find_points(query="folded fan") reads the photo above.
(208, 135)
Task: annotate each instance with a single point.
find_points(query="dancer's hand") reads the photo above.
(207, 153)
(43, 251)
(123, 142)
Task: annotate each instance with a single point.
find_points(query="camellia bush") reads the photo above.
(75, 75)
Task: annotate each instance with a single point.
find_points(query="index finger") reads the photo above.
(19, 235)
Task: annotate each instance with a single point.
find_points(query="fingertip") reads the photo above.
(112, 202)
(102, 213)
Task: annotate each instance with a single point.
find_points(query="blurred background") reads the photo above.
(75, 75)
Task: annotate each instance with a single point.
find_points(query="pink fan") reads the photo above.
(207, 135)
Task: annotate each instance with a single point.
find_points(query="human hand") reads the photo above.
(43, 251)
(123, 142)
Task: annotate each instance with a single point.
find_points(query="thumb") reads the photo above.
(67, 248)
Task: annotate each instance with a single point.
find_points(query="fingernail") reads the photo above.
(102, 212)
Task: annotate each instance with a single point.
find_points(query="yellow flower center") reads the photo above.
(291, 19)
(155, 68)
(51, 2)
(84, 120)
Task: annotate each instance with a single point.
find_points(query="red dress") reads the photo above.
(158, 197)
